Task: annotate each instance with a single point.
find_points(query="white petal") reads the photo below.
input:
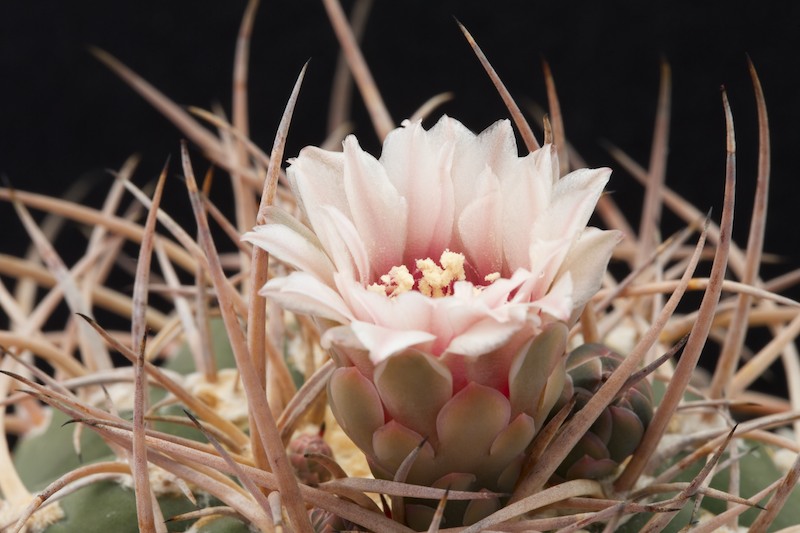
(419, 164)
(317, 179)
(346, 349)
(483, 337)
(464, 322)
(377, 209)
(558, 302)
(473, 326)
(527, 192)
(574, 199)
(302, 293)
(587, 262)
(479, 227)
(410, 310)
(547, 256)
(495, 148)
(344, 244)
(340, 337)
(497, 294)
(545, 260)
(467, 305)
(384, 342)
(364, 304)
(466, 160)
(292, 243)
(449, 130)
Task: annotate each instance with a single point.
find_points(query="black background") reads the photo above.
(64, 116)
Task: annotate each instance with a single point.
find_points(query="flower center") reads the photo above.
(437, 281)
(431, 279)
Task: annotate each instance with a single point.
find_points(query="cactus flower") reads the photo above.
(443, 277)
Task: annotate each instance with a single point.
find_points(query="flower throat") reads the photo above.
(429, 278)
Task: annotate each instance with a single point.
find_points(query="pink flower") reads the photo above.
(449, 244)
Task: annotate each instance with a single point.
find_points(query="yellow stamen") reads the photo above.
(435, 279)
(397, 281)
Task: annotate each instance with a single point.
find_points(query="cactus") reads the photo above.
(620, 427)
(420, 310)
(467, 350)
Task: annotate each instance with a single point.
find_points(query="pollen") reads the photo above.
(431, 279)
(397, 281)
(436, 280)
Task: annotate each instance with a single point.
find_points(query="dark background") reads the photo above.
(65, 117)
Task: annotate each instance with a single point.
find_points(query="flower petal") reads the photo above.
(527, 191)
(474, 327)
(303, 293)
(587, 262)
(378, 211)
(384, 342)
(545, 258)
(479, 226)
(408, 310)
(483, 337)
(317, 178)
(420, 168)
(495, 148)
(574, 198)
(558, 302)
(344, 244)
(291, 242)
